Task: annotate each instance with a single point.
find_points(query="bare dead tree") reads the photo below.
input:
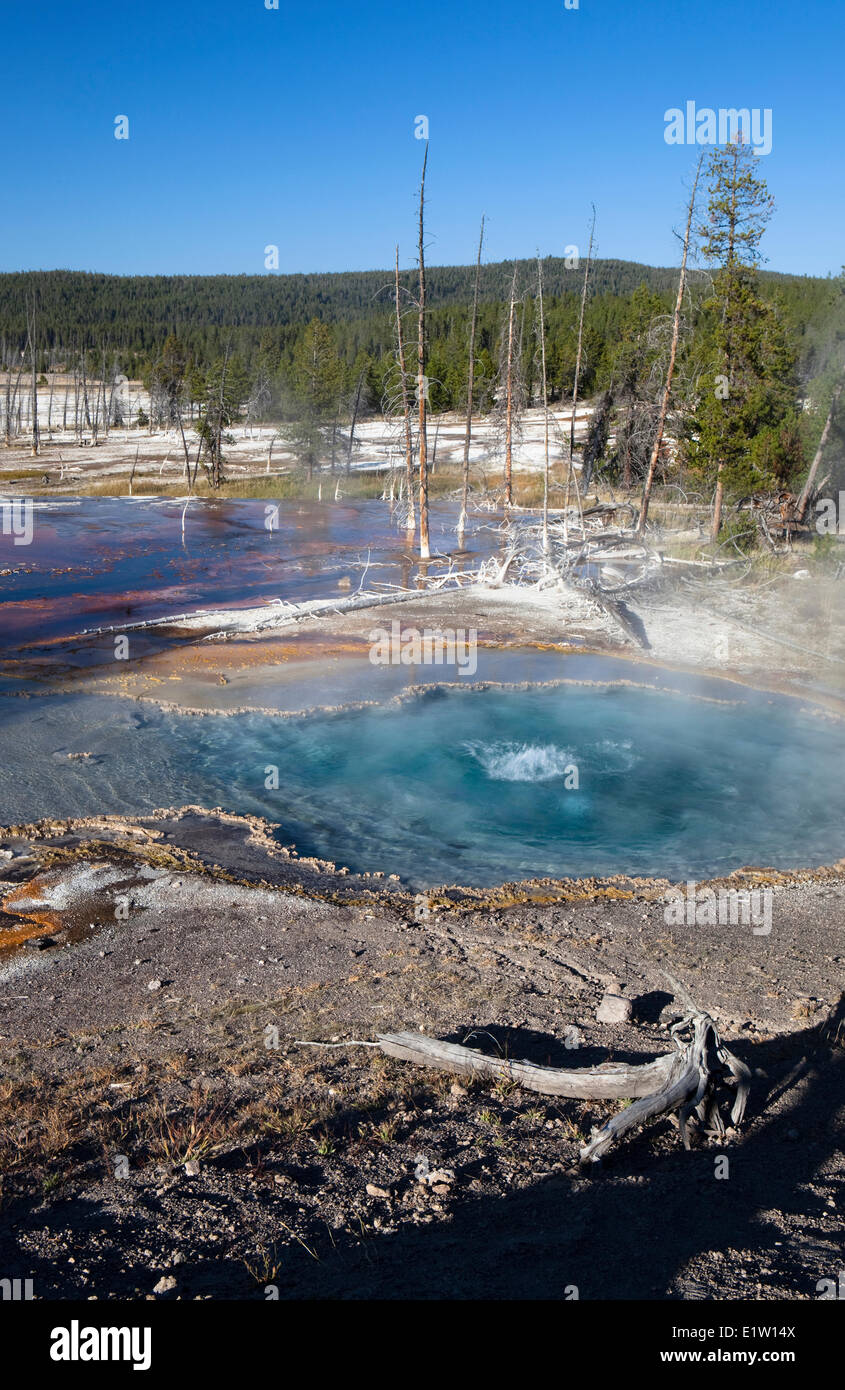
(16, 399)
(77, 426)
(410, 523)
(51, 367)
(580, 339)
(356, 406)
(673, 352)
(7, 362)
(462, 520)
(509, 388)
(185, 449)
(134, 466)
(542, 332)
(425, 550)
(31, 331)
(86, 404)
(807, 489)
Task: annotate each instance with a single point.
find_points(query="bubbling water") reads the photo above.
(469, 786)
(521, 762)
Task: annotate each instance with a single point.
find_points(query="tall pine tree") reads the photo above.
(744, 437)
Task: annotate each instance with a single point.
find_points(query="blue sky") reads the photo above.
(295, 127)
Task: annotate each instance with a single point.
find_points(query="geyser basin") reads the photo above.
(466, 786)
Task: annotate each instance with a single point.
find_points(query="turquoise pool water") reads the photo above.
(463, 785)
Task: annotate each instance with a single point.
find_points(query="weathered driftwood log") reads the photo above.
(684, 1080)
(612, 1081)
(690, 1086)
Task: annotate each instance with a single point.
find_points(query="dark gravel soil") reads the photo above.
(163, 1129)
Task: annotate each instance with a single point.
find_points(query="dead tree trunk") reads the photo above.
(16, 408)
(546, 545)
(185, 447)
(580, 342)
(355, 408)
(814, 467)
(31, 333)
(684, 1081)
(425, 550)
(673, 352)
(8, 419)
(87, 415)
(718, 499)
(509, 400)
(462, 520)
(410, 523)
(52, 369)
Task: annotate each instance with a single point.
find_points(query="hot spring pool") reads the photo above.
(464, 786)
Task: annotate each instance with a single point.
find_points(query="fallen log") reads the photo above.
(612, 1081)
(683, 1081)
(690, 1087)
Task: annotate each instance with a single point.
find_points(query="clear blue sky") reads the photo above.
(251, 126)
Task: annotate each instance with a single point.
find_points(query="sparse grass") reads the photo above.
(77, 1124)
(20, 475)
(264, 1266)
(180, 1137)
(298, 1119)
(386, 1132)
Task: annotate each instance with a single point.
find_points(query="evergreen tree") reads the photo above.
(745, 431)
(633, 384)
(318, 380)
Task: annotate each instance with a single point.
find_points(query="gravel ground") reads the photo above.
(166, 1134)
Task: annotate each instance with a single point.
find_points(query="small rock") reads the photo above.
(801, 574)
(166, 1284)
(457, 1090)
(153, 984)
(440, 1177)
(614, 1008)
(192, 1168)
(179, 1258)
(373, 1191)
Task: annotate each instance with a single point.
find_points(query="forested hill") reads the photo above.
(135, 313)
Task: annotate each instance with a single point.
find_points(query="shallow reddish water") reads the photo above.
(106, 561)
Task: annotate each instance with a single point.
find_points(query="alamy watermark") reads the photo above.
(691, 125)
(16, 520)
(832, 1288)
(431, 647)
(725, 907)
(82, 1343)
(830, 519)
(16, 1290)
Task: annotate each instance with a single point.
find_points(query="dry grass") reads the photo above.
(181, 1135)
(251, 1101)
